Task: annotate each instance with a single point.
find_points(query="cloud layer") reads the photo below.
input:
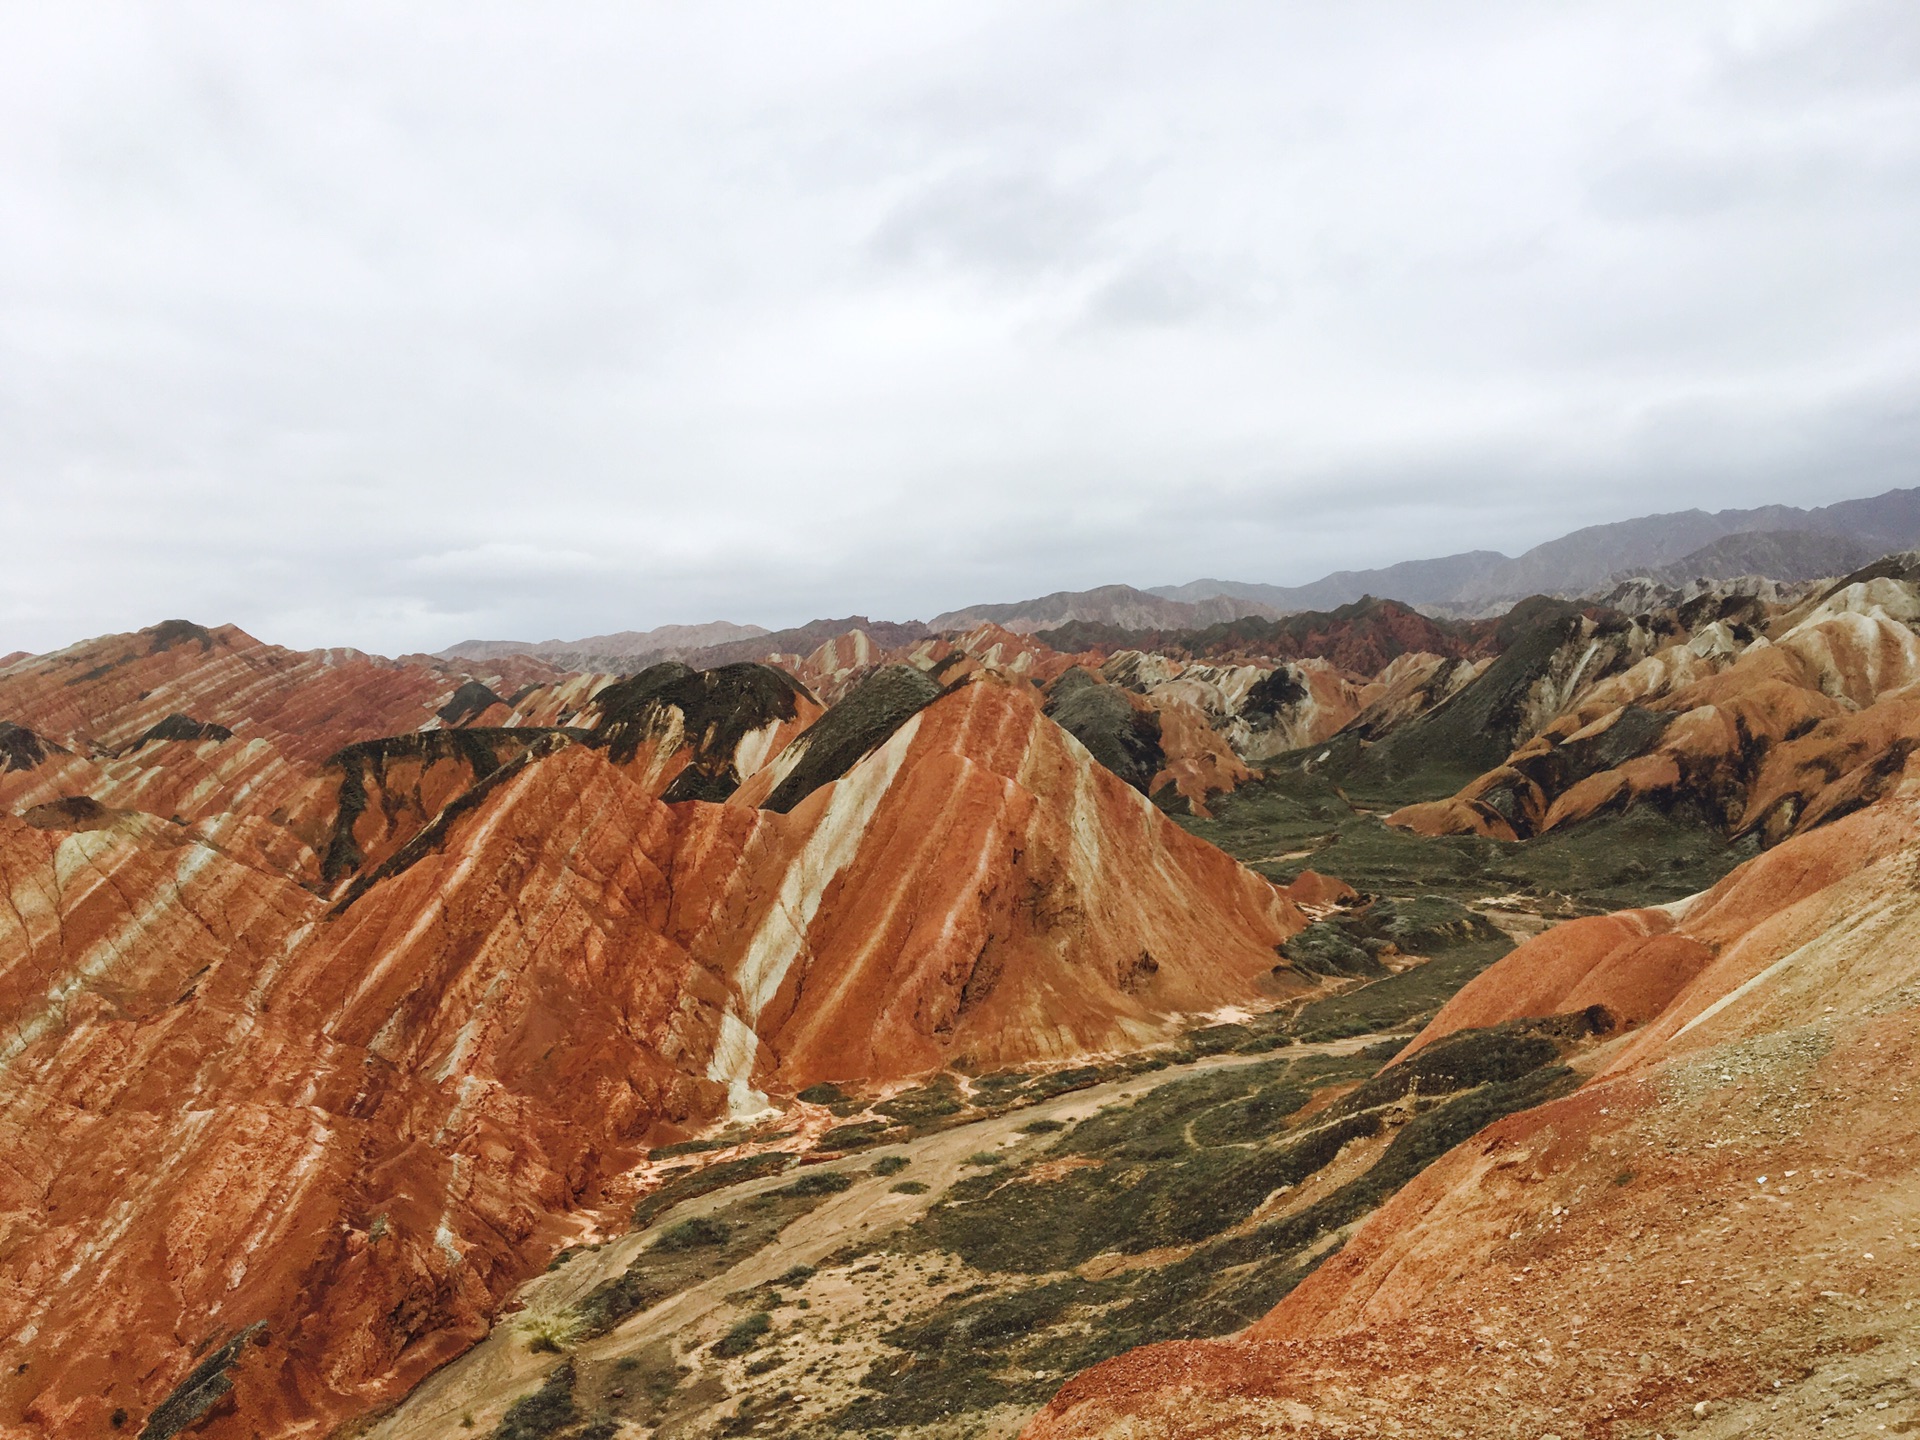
(391, 326)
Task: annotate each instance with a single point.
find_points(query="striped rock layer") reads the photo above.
(1772, 734)
(330, 1048)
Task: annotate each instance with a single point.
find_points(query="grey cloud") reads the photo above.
(389, 328)
(1856, 52)
(1169, 289)
(1014, 226)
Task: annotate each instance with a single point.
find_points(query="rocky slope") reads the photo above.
(1780, 555)
(332, 1094)
(669, 642)
(1765, 726)
(719, 642)
(1363, 637)
(104, 695)
(343, 994)
(1714, 1235)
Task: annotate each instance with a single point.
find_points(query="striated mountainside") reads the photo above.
(1363, 637)
(703, 646)
(105, 695)
(431, 1034)
(1322, 1026)
(1770, 733)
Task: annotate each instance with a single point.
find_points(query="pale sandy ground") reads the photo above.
(834, 1339)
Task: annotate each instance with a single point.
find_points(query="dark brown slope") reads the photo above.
(1362, 637)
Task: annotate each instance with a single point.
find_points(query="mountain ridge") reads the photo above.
(1780, 542)
(1582, 559)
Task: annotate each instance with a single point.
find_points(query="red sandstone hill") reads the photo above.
(102, 695)
(338, 991)
(1717, 1234)
(332, 1031)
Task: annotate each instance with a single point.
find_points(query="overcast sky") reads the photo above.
(394, 325)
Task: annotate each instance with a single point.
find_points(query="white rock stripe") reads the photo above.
(782, 932)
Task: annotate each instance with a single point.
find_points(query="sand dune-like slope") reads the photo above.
(1717, 1234)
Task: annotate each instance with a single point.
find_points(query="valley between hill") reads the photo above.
(1337, 1025)
(860, 1253)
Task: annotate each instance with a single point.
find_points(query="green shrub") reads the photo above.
(984, 1158)
(853, 1137)
(929, 1102)
(819, 1182)
(1045, 1087)
(551, 1334)
(1041, 1127)
(694, 1234)
(691, 1147)
(611, 1301)
(1496, 1054)
(911, 1187)
(798, 1275)
(545, 1412)
(744, 1336)
(1262, 1113)
(890, 1164)
(689, 1181)
(824, 1093)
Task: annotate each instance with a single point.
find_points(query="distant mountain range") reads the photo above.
(1120, 605)
(1784, 555)
(664, 640)
(720, 642)
(1781, 542)
(1591, 558)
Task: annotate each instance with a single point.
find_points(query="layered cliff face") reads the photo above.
(347, 1042)
(1773, 735)
(1008, 898)
(1259, 710)
(1715, 1234)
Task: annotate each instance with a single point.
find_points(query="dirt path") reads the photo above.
(469, 1396)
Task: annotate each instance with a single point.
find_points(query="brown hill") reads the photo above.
(1114, 605)
(1364, 637)
(1713, 1235)
(669, 642)
(1768, 735)
(103, 695)
(357, 1119)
